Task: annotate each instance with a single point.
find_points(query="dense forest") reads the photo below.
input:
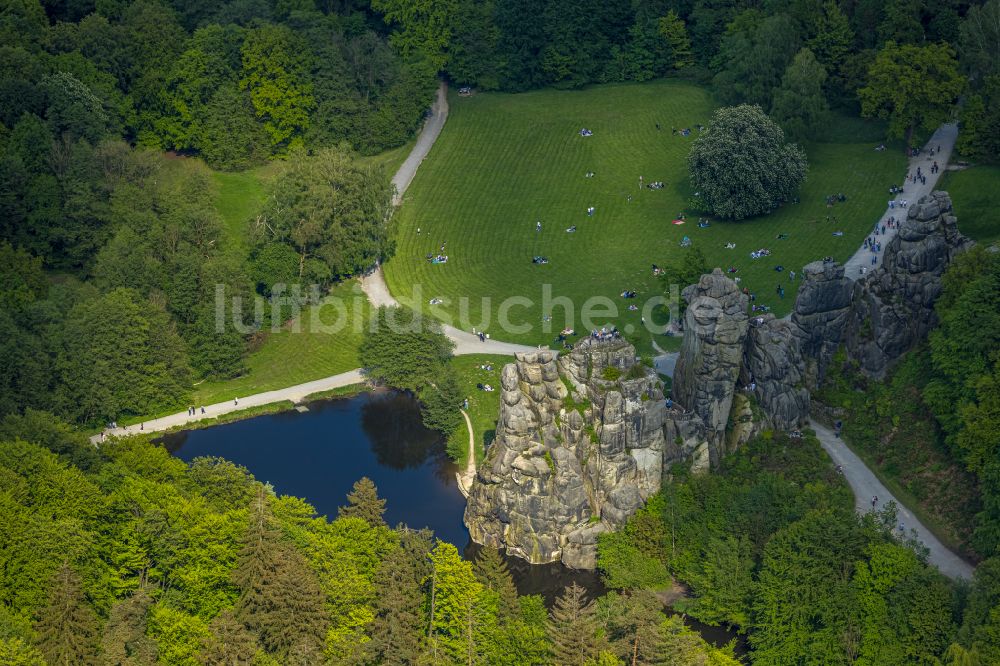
(126, 555)
(773, 545)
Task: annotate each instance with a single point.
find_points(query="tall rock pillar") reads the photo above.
(715, 328)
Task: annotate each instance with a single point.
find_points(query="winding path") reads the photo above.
(374, 284)
(296, 393)
(378, 294)
(865, 486)
(465, 478)
(428, 135)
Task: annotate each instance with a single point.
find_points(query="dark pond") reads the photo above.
(320, 453)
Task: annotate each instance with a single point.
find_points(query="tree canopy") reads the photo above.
(408, 351)
(741, 165)
(912, 87)
(331, 212)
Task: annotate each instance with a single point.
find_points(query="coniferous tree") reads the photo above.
(280, 597)
(125, 642)
(67, 627)
(230, 643)
(399, 624)
(363, 502)
(574, 630)
(631, 622)
(492, 573)
(673, 643)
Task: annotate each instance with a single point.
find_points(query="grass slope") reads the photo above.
(289, 357)
(239, 196)
(975, 194)
(286, 357)
(504, 162)
(484, 406)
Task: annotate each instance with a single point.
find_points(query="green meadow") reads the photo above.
(975, 196)
(505, 162)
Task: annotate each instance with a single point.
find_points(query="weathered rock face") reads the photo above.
(570, 463)
(773, 366)
(820, 315)
(893, 306)
(715, 328)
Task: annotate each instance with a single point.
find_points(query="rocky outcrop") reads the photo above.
(773, 368)
(715, 328)
(820, 315)
(581, 443)
(893, 306)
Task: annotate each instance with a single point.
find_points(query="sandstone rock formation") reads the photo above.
(715, 328)
(821, 311)
(573, 458)
(893, 306)
(773, 364)
(583, 440)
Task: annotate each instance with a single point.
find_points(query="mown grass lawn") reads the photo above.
(289, 357)
(239, 196)
(484, 406)
(975, 195)
(504, 162)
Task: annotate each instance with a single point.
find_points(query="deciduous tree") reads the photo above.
(425, 27)
(912, 87)
(741, 165)
(799, 104)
